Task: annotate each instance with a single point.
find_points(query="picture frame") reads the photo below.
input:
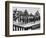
(11, 6)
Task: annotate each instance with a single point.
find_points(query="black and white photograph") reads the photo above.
(25, 18)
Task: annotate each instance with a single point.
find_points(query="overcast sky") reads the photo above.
(29, 9)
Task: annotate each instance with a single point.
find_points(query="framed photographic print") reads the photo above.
(24, 18)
